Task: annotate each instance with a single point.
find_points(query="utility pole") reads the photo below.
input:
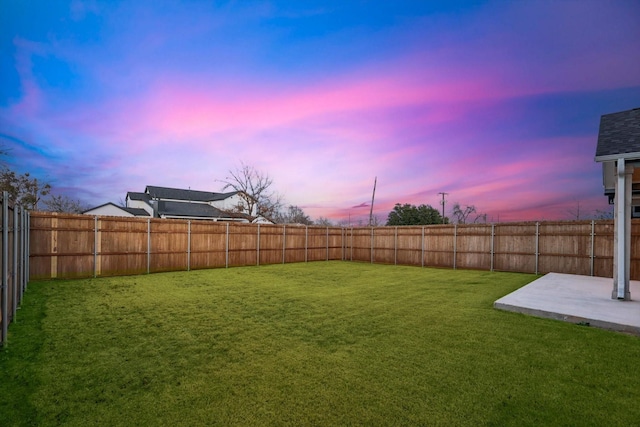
(442, 203)
(372, 199)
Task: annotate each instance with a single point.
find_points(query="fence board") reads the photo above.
(438, 246)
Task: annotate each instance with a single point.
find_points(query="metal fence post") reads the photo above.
(455, 243)
(5, 261)
(148, 245)
(327, 244)
(395, 246)
(95, 246)
(27, 270)
(537, 245)
(189, 245)
(422, 247)
(306, 242)
(284, 243)
(22, 252)
(493, 233)
(593, 238)
(14, 275)
(226, 249)
(258, 247)
(372, 245)
(351, 249)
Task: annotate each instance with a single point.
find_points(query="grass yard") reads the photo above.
(325, 343)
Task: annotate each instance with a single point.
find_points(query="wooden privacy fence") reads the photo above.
(67, 246)
(14, 261)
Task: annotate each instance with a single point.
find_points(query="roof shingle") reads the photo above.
(619, 136)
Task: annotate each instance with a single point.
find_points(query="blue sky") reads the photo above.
(495, 103)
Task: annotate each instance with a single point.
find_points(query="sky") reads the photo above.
(495, 103)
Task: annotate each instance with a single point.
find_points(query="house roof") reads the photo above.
(619, 136)
(132, 211)
(138, 196)
(135, 211)
(181, 194)
(201, 210)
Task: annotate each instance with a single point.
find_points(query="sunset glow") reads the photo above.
(496, 103)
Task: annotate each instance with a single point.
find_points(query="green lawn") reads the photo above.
(325, 343)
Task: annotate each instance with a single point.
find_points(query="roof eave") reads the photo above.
(614, 157)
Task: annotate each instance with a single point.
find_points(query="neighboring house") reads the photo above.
(111, 209)
(165, 202)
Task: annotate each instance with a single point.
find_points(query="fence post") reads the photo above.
(327, 244)
(95, 246)
(455, 243)
(371, 245)
(25, 249)
(351, 246)
(284, 242)
(22, 253)
(395, 246)
(258, 247)
(148, 245)
(5, 261)
(537, 244)
(14, 279)
(189, 245)
(54, 247)
(593, 238)
(422, 246)
(226, 249)
(306, 242)
(493, 234)
(28, 252)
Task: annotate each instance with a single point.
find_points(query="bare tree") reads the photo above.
(462, 216)
(254, 188)
(293, 215)
(574, 213)
(603, 214)
(326, 222)
(64, 204)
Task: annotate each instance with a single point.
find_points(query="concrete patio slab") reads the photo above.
(576, 299)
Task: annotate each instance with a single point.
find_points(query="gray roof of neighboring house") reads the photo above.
(132, 211)
(201, 210)
(135, 211)
(138, 196)
(619, 136)
(181, 194)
